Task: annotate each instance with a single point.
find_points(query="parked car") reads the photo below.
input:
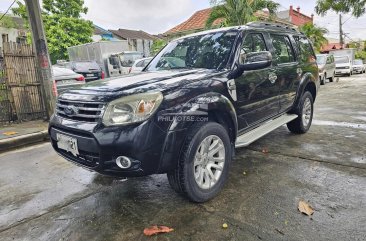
(139, 65)
(358, 66)
(326, 67)
(89, 69)
(237, 84)
(66, 79)
(343, 65)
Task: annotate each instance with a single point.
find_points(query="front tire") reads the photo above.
(322, 81)
(331, 79)
(203, 167)
(305, 115)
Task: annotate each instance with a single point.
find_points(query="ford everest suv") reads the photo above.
(201, 97)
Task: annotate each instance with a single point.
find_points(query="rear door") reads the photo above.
(286, 68)
(257, 93)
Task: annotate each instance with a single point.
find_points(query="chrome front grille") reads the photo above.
(80, 111)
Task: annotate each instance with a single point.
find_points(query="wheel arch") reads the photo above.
(218, 108)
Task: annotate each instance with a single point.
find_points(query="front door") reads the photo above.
(257, 93)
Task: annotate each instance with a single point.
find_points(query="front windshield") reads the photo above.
(210, 51)
(357, 62)
(321, 59)
(341, 60)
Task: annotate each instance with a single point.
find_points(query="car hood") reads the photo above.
(104, 90)
(145, 78)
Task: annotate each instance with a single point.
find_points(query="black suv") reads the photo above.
(201, 97)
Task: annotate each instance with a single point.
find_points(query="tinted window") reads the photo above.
(305, 48)
(140, 63)
(283, 50)
(253, 43)
(209, 51)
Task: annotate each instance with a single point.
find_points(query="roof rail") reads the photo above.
(274, 25)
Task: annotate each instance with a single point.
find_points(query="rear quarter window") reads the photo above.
(305, 49)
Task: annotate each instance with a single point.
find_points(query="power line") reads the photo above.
(7, 10)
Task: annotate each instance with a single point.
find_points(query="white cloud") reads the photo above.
(151, 16)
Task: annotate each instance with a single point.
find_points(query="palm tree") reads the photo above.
(238, 12)
(315, 34)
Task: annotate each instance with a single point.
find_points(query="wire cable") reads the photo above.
(7, 10)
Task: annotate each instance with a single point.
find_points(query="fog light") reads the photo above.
(123, 162)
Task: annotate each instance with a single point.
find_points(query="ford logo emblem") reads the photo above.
(71, 111)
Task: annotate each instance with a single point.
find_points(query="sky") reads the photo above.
(158, 16)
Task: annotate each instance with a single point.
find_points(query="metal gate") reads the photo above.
(21, 83)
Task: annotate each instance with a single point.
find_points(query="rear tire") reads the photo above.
(305, 115)
(203, 167)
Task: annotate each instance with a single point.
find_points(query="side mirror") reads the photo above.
(258, 60)
(253, 61)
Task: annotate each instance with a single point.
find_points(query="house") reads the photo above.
(12, 30)
(295, 16)
(139, 41)
(101, 34)
(197, 22)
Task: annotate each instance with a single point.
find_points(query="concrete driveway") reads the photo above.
(43, 197)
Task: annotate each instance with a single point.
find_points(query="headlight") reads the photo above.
(132, 109)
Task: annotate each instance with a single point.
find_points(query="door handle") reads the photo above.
(272, 77)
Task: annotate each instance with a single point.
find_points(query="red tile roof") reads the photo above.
(330, 46)
(196, 22)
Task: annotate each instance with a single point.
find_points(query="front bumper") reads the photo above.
(99, 146)
(342, 71)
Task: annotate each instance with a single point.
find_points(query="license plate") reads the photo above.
(67, 81)
(90, 75)
(67, 143)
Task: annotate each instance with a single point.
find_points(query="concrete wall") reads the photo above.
(12, 33)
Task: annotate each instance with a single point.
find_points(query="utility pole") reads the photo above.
(44, 63)
(340, 31)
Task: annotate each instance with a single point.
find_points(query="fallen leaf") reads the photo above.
(153, 230)
(10, 133)
(244, 173)
(265, 150)
(305, 208)
(225, 226)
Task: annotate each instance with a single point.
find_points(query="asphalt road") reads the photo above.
(43, 197)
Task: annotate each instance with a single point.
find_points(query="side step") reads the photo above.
(253, 135)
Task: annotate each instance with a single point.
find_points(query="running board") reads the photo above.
(253, 135)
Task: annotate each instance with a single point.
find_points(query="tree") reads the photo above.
(7, 22)
(315, 34)
(238, 12)
(157, 45)
(355, 7)
(63, 25)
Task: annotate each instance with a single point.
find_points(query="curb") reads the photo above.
(23, 140)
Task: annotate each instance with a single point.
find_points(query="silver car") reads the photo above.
(358, 66)
(66, 79)
(326, 67)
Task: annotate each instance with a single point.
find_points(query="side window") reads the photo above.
(329, 60)
(283, 49)
(253, 43)
(306, 51)
(140, 64)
